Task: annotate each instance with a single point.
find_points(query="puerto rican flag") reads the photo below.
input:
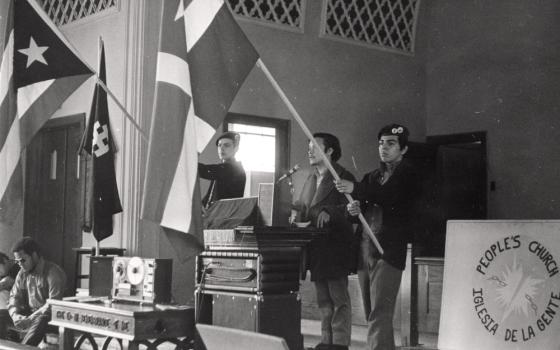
(203, 59)
(38, 71)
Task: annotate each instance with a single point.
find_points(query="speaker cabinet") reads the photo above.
(278, 314)
(100, 276)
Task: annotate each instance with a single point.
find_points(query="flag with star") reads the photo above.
(203, 59)
(38, 71)
(102, 194)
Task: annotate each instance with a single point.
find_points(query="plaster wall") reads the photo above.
(493, 66)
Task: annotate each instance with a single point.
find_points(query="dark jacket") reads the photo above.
(227, 180)
(396, 198)
(332, 257)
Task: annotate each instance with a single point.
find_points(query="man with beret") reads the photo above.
(387, 196)
(227, 179)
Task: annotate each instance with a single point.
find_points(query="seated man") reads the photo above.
(8, 273)
(37, 281)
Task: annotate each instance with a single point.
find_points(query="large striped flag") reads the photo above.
(38, 71)
(203, 59)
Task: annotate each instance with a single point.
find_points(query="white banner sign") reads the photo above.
(501, 286)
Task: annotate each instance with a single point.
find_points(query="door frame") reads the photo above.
(469, 137)
(54, 123)
(282, 196)
(78, 120)
(282, 159)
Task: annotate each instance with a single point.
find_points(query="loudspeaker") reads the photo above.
(100, 276)
(278, 314)
(220, 338)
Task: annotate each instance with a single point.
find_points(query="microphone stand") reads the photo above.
(291, 184)
(292, 189)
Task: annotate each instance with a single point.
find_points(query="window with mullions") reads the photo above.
(263, 148)
(282, 13)
(257, 150)
(66, 11)
(385, 24)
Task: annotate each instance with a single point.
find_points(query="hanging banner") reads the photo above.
(501, 286)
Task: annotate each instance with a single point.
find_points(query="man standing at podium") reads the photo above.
(37, 281)
(227, 179)
(331, 259)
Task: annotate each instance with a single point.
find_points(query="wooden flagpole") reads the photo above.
(92, 207)
(114, 98)
(128, 116)
(308, 133)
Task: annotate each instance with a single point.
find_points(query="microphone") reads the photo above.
(288, 174)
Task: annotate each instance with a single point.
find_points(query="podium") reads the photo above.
(248, 278)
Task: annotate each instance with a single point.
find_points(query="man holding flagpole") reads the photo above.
(387, 194)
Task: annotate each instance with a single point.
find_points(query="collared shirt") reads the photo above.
(32, 289)
(320, 175)
(375, 212)
(387, 170)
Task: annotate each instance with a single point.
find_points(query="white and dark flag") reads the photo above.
(203, 59)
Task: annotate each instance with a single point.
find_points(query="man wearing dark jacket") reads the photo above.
(387, 195)
(330, 259)
(227, 179)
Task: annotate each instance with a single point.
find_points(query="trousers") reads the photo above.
(379, 283)
(333, 301)
(36, 331)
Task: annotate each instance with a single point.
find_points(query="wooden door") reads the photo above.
(54, 191)
(452, 172)
(460, 169)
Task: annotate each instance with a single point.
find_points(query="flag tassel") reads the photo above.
(308, 133)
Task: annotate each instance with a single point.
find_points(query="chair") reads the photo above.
(222, 338)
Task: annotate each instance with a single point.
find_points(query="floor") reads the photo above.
(311, 334)
(311, 331)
